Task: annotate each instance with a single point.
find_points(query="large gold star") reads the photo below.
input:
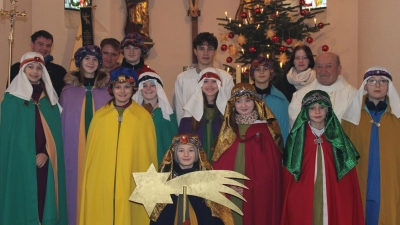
(152, 187)
(148, 186)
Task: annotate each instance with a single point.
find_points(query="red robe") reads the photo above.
(263, 165)
(343, 197)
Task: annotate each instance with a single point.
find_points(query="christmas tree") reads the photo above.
(271, 28)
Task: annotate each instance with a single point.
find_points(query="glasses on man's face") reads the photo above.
(373, 82)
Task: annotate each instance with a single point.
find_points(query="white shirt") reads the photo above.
(185, 86)
(341, 94)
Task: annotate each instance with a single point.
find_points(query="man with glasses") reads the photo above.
(341, 93)
(373, 125)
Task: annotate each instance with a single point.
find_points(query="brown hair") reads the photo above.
(196, 124)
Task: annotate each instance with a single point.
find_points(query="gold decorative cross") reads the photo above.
(13, 14)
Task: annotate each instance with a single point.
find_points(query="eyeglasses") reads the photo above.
(372, 82)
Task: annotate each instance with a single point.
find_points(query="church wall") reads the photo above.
(356, 30)
(378, 41)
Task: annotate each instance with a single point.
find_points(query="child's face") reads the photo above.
(262, 74)
(186, 156)
(210, 87)
(122, 93)
(377, 88)
(34, 72)
(149, 90)
(317, 113)
(244, 105)
(301, 61)
(90, 64)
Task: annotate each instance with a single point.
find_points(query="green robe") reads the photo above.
(18, 189)
(165, 131)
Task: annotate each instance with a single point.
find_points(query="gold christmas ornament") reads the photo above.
(223, 37)
(296, 43)
(269, 33)
(290, 16)
(241, 39)
(233, 50)
(283, 58)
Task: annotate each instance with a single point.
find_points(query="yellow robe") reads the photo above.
(389, 154)
(110, 161)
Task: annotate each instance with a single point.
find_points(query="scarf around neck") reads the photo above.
(302, 79)
(247, 119)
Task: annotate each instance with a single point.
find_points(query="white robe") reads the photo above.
(340, 92)
(185, 86)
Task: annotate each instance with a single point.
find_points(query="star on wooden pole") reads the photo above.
(13, 14)
(152, 187)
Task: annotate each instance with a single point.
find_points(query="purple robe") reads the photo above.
(71, 100)
(185, 127)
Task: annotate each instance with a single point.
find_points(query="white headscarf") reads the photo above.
(22, 88)
(195, 105)
(353, 113)
(163, 102)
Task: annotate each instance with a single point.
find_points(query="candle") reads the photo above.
(309, 9)
(238, 74)
(258, 26)
(226, 14)
(227, 69)
(230, 20)
(242, 51)
(240, 25)
(277, 13)
(262, 10)
(281, 64)
(267, 56)
(315, 21)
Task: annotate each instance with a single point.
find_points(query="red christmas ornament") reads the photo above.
(303, 12)
(229, 59)
(282, 48)
(224, 47)
(309, 40)
(231, 35)
(320, 25)
(302, 2)
(325, 48)
(289, 41)
(275, 39)
(257, 11)
(252, 49)
(243, 15)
